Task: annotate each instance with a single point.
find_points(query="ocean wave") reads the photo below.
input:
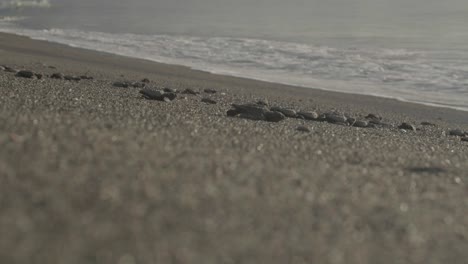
(416, 76)
(19, 4)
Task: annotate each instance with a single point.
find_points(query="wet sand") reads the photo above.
(92, 173)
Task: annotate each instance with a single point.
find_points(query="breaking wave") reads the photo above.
(18, 4)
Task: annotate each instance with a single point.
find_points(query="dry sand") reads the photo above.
(91, 173)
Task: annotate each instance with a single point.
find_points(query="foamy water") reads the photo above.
(430, 76)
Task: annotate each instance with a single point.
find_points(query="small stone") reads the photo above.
(360, 123)
(303, 129)
(25, 74)
(208, 101)
(210, 91)
(428, 124)
(38, 75)
(465, 139)
(169, 90)
(158, 95)
(190, 91)
(138, 85)
(71, 78)
(373, 116)
(232, 113)
(333, 117)
(57, 76)
(407, 126)
(145, 80)
(456, 132)
(350, 120)
(262, 102)
(251, 111)
(273, 116)
(287, 112)
(308, 115)
(85, 77)
(121, 84)
(10, 69)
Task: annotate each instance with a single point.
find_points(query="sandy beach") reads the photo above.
(94, 173)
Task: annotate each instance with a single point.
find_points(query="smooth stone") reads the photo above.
(57, 76)
(25, 74)
(335, 118)
(121, 84)
(210, 91)
(303, 129)
(273, 116)
(456, 132)
(287, 112)
(360, 123)
(308, 115)
(407, 126)
(85, 77)
(190, 91)
(9, 69)
(373, 116)
(428, 124)
(208, 101)
(157, 95)
(232, 112)
(169, 90)
(250, 111)
(71, 78)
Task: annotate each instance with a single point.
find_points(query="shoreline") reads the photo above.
(87, 160)
(431, 104)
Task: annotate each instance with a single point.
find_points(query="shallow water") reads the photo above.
(410, 50)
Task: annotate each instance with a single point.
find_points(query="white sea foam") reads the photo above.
(18, 4)
(416, 76)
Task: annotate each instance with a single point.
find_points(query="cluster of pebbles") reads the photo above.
(34, 75)
(260, 111)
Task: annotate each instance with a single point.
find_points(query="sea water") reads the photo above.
(412, 50)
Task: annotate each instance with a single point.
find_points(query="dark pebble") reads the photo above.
(57, 76)
(287, 112)
(25, 74)
(428, 124)
(85, 77)
(170, 90)
(373, 116)
(251, 111)
(158, 95)
(145, 80)
(303, 129)
(407, 126)
(456, 132)
(308, 115)
(121, 84)
(272, 116)
(210, 91)
(38, 75)
(333, 117)
(190, 91)
(208, 101)
(465, 139)
(232, 112)
(71, 78)
(360, 123)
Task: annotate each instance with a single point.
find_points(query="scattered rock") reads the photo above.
(25, 74)
(308, 115)
(263, 102)
(465, 139)
(190, 91)
(350, 120)
(287, 112)
(145, 80)
(158, 95)
(57, 76)
(428, 124)
(9, 69)
(303, 129)
(361, 123)
(169, 90)
(71, 78)
(85, 77)
(273, 116)
(232, 112)
(208, 101)
(250, 111)
(334, 117)
(373, 116)
(210, 91)
(456, 132)
(407, 126)
(38, 75)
